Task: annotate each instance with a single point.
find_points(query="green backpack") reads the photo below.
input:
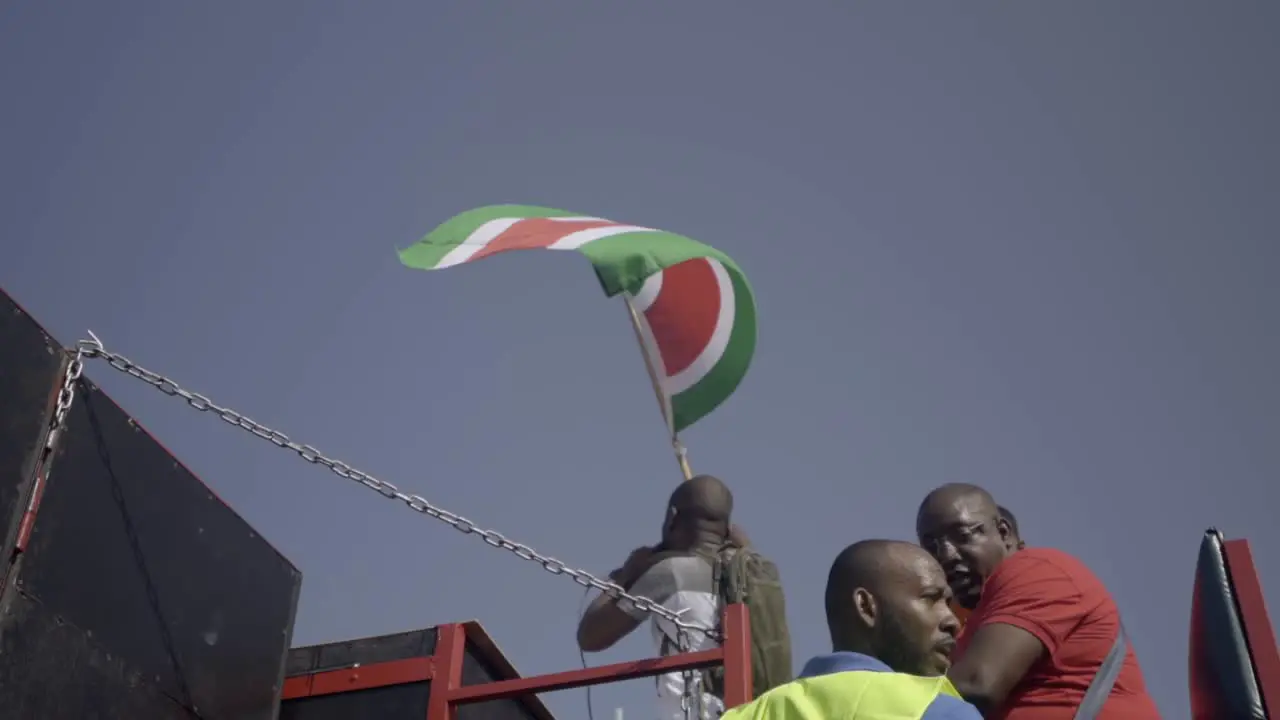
(745, 576)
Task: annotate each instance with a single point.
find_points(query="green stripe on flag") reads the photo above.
(623, 262)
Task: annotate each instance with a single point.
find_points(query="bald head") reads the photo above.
(941, 501)
(961, 525)
(703, 496)
(698, 514)
(870, 564)
(888, 599)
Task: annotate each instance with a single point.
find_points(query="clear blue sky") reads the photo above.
(1030, 246)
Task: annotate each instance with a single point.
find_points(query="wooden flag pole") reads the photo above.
(681, 455)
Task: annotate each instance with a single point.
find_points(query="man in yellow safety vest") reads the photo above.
(892, 633)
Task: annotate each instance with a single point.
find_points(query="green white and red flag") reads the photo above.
(695, 311)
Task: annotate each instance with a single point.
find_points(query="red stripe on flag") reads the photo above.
(532, 233)
(683, 317)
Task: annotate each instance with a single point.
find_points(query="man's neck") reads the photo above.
(708, 546)
(702, 543)
(709, 540)
(853, 646)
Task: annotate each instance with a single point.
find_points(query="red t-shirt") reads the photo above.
(1053, 596)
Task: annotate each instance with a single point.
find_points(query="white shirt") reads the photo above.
(680, 584)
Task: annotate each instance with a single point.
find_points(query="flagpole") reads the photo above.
(678, 447)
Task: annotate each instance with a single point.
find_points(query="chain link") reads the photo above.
(66, 396)
(691, 699)
(67, 393)
(686, 697)
(95, 349)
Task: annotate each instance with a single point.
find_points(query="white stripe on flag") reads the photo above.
(576, 240)
(476, 241)
(643, 299)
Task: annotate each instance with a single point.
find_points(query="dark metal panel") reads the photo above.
(133, 548)
(365, 651)
(394, 702)
(52, 670)
(30, 370)
(476, 671)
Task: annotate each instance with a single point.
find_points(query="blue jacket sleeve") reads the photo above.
(946, 707)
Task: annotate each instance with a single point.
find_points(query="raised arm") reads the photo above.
(606, 620)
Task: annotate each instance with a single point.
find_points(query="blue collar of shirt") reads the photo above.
(842, 662)
(943, 707)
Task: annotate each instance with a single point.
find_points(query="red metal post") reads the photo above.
(40, 473)
(29, 515)
(451, 645)
(1258, 631)
(737, 655)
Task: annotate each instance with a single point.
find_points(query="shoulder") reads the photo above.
(1038, 556)
(1041, 566)
(684, 568)
(946, 707)
(673, 574)
(1064, 561)
(1045, 592)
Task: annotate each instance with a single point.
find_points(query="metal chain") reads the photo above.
(94, 349)
(66, 396)
(691, 697)
(686, 696)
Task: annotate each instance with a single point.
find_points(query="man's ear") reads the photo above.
(1006, 534)
(669, 522)
(864, 603)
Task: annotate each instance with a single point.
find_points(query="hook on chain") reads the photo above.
(92, 347)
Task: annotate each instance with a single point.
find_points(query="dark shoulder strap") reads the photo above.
(1100, 689)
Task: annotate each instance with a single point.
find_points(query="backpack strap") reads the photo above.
(1103, 682)
(706, 676)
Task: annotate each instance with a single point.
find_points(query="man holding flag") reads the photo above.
(694, 571)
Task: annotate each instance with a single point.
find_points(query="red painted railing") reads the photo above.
(444, 670)
(447, 691)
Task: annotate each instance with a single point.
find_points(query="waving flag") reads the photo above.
(695, 314)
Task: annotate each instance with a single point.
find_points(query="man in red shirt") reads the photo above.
(960, 611)
(1041, 624)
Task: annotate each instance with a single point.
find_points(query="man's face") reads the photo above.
(916, 630)
(968, 538)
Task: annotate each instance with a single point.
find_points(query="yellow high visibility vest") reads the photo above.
(849, 695)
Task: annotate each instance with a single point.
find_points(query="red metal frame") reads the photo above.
(1258, 631)
(444, 670)
(447, 691)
